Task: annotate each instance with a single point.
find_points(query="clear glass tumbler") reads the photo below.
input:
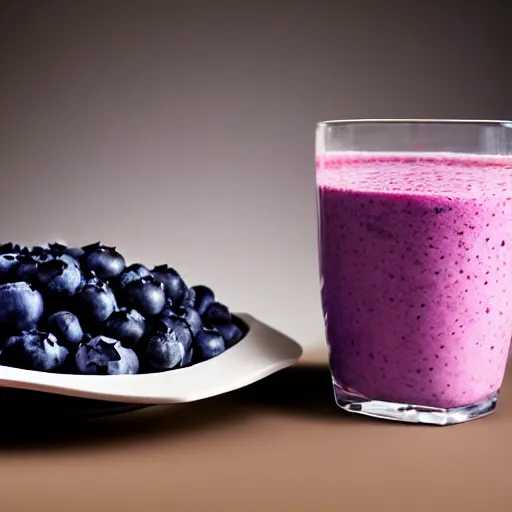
(415, 249)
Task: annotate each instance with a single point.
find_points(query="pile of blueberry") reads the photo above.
(83, 310)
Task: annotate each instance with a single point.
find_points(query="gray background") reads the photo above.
(183, 132)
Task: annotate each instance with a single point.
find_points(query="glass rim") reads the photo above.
(474, 122)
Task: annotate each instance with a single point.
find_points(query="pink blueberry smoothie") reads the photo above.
(416, 271)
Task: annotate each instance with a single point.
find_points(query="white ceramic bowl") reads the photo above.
(262, 352)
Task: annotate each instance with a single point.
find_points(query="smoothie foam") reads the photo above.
(416, 265)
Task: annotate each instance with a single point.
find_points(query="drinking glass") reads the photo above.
(415, 252)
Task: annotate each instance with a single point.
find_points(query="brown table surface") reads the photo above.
(277, 445)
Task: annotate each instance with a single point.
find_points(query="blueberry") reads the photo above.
(204, 297)
(193, 319)
(189, 299)
(9, 264)
(187, 358)
(146, 295)
(231, 333)
(189, 315)
(174, 285)
(163, 320)
(60, 252)
(162, 353)
(38, 254)
(33, 350)
(56, 249)
(95, 302)
(168, 309)
(181, 331)
(58, 277)
(27, 269)
(91, 247)
(106, 356)
(160, 321)
(127, 326)
(216, 313)
(209, 344)
(75, 252)
(66, 327)
(70, 260)
(105, 261)
(10, 248)
(133, 273)
(21, 307)
(167, 346)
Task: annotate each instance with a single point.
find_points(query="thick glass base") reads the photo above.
(352, 402)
